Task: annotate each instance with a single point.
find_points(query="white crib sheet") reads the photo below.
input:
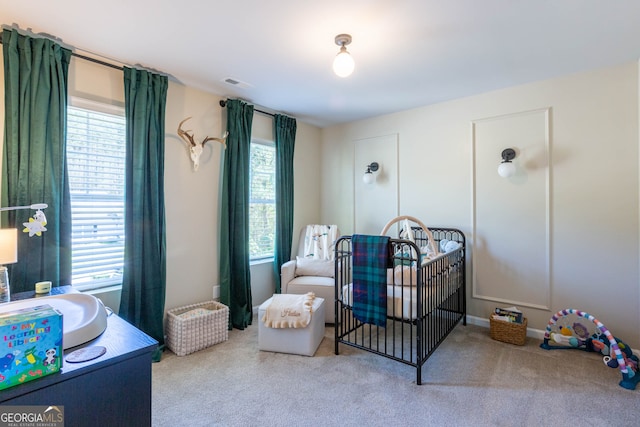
(402, 301)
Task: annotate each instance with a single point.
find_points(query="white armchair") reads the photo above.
(301, 275)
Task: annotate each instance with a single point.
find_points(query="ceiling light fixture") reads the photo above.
(343, 63)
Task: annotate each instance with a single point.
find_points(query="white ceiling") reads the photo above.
(408, 53)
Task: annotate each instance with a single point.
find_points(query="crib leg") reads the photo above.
(419, 375)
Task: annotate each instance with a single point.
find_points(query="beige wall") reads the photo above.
(191, 198)
(593, 191)
(594, 188)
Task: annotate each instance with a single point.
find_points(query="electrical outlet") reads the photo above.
(216, 292)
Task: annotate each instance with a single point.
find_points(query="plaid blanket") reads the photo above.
(370, 278)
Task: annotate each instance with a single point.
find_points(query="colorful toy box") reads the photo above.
(30, 344)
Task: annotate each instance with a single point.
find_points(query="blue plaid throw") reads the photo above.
(370, 278)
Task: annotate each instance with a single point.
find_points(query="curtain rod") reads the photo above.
(97, 61)
(223, 103)
(87, 58)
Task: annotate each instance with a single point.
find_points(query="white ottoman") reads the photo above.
(303, 341)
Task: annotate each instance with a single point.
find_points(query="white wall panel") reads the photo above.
(511, 215)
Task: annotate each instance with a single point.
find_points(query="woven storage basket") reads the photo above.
(509, 332)
(187, 334)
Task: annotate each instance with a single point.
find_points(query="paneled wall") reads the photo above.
(513, 226)
(563, 232)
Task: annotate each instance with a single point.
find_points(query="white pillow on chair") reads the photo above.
(314, 267)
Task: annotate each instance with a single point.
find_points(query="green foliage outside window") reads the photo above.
(262, 201)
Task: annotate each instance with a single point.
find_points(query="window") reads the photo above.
(96, 166)
(262, 200)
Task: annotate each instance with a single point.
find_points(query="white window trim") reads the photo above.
(111, 108)
(117, 109)
(262, 259)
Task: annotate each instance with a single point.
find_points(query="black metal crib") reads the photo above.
(425, 299)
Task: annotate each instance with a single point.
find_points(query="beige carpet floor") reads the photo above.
(470, 380)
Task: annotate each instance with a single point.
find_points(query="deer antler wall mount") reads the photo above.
(195, 149)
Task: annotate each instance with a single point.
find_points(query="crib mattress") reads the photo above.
(402, 301)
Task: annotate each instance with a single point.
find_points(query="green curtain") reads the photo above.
(285, 139)
(34, 161)
(144, 275)
(235, 276)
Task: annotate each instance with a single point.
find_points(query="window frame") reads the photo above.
(270, 144)
(114, 109)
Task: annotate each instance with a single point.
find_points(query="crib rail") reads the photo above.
(425, 300)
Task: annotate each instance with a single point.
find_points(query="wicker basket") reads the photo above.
(509, 332)
(189, 329)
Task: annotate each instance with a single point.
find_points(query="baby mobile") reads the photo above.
(36, 224)
(560, 335)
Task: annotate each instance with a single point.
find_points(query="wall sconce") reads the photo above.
(369, 177)
(343, 64)
(506, 168)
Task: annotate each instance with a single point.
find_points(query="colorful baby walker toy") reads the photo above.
(616, 353)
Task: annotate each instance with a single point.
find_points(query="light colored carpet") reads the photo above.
(470, 380)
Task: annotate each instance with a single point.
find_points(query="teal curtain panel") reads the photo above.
(235, 276)
(285, 141)
(144, 277)
(34, 161)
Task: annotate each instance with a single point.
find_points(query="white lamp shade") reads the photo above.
(343, 64)
(506, 169)
(8, 245)
(368, 178)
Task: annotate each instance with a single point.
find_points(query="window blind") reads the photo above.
(96, 167)
(262, 201)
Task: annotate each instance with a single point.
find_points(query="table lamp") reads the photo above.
(8, 255)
